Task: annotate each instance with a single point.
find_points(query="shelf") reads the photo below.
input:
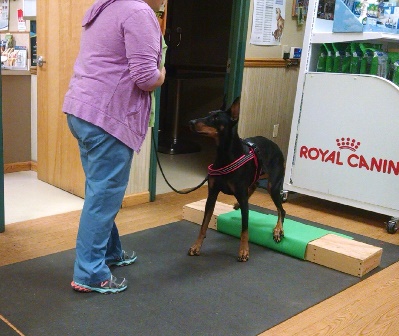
(6, 72)
(323, 33)
(324, 37)
(383, 84)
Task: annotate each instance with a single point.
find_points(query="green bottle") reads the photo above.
(395, 77)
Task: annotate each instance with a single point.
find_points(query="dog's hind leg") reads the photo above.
(195, 249)
(274, 188)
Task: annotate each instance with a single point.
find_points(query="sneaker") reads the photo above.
(126, 259)
(112, 285)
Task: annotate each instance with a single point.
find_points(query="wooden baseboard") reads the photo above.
(270, 63)
(33, 166)
(129, 200)
(135, 199)
(20, 166)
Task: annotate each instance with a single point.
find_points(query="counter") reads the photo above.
(16, 108)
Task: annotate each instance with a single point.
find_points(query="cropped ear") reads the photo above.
(235, 109)
(223, 107)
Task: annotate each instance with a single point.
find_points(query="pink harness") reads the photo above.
(237, 164)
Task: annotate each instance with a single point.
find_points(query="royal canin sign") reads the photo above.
(353, 160)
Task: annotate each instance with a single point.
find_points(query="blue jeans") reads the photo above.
(106, 163)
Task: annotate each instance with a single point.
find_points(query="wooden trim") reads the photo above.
(128, 200)
(269, 62)
(136, 199)
(8, 72)
(33, 166)
(33, 70)
(19, 166)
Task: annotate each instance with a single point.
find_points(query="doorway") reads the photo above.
(199, 35)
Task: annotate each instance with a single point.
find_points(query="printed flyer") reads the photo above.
(268, 22)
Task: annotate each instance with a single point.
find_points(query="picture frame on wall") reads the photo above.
(4, 14)
(299, 7)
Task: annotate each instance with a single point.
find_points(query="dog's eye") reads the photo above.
(214, 117)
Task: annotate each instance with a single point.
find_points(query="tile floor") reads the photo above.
(184, 171)
(26, 197)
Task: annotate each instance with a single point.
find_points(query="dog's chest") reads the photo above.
(228, 184)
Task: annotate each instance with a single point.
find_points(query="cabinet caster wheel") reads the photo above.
(284, 196)
(391, 226)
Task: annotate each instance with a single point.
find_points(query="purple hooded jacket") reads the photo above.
(117, 64)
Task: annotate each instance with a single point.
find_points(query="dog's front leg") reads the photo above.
(209, 207)
(243, 253)
(251, 190)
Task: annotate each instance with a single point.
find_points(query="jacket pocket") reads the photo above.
(137, 119)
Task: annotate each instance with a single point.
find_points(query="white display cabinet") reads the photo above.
(344, 143)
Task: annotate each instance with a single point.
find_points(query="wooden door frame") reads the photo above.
(233, 81)
(237, 44)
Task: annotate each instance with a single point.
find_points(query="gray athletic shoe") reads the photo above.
(113, 285)
(124, 260)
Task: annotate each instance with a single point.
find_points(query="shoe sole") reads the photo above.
(123, 263)
(88, 289)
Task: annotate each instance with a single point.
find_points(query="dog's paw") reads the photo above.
(243, 258)
(194, 251)
(243, 255)
(236, 206)
(278, 235)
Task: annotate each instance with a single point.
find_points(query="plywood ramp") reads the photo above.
(336, 252)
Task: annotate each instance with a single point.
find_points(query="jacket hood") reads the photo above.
(95, 10)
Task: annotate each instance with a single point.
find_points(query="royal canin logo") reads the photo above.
(380, 165)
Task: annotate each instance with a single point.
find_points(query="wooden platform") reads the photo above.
(333, 251)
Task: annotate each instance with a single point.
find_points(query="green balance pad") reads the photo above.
(296, 235)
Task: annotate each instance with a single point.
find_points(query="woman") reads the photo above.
(108, 105)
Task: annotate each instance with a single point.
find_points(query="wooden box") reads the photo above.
(194, 212)
(345, 255)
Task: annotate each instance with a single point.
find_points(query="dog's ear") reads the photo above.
(235, 109)
(223, 107)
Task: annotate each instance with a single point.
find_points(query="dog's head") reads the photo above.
(217, 123)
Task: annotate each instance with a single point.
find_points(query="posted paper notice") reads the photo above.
(268, 22)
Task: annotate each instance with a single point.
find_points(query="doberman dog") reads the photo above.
(238, 166)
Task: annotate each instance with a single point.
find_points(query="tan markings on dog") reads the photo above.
(196, 248)
(278, 232)
(243, 253)
(201, 128)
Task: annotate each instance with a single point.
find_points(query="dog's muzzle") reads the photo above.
(192, 124)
